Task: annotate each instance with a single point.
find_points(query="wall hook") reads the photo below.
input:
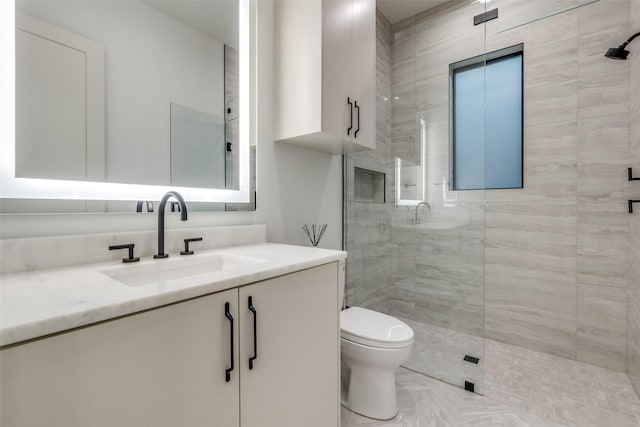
(631, 178)
(631, 202)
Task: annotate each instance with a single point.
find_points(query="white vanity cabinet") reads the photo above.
(163, 367)
(167, 366)
(325, 71)
(295, 377)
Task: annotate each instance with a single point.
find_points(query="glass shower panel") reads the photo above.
(436, 242)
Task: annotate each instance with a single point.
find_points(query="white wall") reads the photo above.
(295, 186)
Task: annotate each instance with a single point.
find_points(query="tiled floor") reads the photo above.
(522, 388)
(439, 353)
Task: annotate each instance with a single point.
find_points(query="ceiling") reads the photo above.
(397, 10)
(217, 19)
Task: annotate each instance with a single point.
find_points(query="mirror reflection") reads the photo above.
(139, 92)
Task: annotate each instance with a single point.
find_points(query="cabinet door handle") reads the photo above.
(255, 333)
(230, 317)
(350, 115)
(355, 134)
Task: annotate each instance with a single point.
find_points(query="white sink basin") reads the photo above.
(178, 267)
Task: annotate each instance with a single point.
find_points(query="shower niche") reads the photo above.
(369, 186)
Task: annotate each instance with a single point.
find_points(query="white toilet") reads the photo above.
(373, 345)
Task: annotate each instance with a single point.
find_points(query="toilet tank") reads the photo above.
(342, 268)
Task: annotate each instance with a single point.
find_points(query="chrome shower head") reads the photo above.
(620, 53)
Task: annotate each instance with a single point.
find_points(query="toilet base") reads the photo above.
(369, 380)
(372, 394)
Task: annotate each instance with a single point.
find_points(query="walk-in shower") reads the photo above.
(529, 267)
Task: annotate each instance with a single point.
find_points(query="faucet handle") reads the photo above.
(175, 207)
(186, 245)
(129, 246)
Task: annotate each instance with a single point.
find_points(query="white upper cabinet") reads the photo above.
(325, 71)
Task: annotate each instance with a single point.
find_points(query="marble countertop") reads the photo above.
(42, 302)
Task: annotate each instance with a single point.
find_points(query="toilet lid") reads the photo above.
(374, 329)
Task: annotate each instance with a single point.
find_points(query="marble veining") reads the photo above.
(41, 302)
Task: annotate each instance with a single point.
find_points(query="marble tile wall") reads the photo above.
(531, 270)
(633, 314)
(556, 276)
(603, 220)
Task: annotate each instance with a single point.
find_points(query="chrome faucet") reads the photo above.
(416, 220)
(183, 217)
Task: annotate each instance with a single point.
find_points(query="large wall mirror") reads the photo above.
(118, 101)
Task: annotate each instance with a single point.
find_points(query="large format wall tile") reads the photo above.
(603, 248)
(603, 222)
(531, 221)
(633, 340)
(552, 103)
(530, 285)
(633, 318)
(449, 273)
(551, 63)
(576, 141)
(603, 93)
(602, 326)
(531, 308)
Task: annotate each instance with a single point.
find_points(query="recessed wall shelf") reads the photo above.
(369, 186)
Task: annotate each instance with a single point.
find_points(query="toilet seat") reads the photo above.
(374, 329)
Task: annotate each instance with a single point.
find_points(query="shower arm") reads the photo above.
(623, 45)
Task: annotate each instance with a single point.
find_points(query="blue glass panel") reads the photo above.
(503, 117)
(488, 125)
(469, 128)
